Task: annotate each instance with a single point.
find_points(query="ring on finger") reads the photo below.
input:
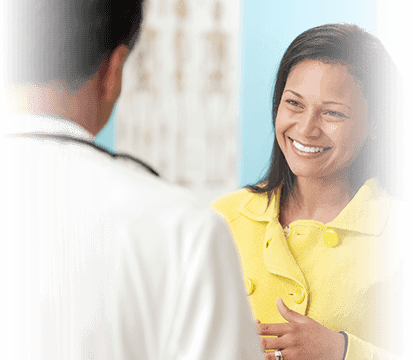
(278, 355)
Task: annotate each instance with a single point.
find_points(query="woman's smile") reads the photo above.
(309, 149)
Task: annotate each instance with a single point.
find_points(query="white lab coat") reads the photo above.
(102, 260)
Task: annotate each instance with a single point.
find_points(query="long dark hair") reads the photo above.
(369, 62)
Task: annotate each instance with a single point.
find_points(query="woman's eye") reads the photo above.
(336, 114)
(292, 102)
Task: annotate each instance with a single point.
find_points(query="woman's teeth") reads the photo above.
(308, 149)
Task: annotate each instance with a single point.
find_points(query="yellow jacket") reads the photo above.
(341, 274)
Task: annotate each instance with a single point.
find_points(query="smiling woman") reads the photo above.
(322, 120)
(317, 231)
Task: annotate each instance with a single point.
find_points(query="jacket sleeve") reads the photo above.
(360, 349)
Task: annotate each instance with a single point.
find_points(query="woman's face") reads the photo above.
(322, 120)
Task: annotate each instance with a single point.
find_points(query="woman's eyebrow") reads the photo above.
(337, 103)
(296, 94)
(324, 102)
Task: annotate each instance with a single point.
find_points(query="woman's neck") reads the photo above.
(317, 199)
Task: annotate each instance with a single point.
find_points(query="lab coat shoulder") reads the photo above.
(185, 261)
(174, 209)
(127, 195)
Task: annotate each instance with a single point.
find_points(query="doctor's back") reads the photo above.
(100, 258)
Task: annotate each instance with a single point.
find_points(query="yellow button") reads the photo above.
(249, 285)
(268, 243)
(299, 295)
(330, 238)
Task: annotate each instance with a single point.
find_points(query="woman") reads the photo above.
(316, 232)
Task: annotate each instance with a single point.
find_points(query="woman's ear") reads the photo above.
(110, 74)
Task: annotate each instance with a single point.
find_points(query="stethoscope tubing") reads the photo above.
(67, 138)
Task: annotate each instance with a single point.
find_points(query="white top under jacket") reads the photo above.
(102, 260)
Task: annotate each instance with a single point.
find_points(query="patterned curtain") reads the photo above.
(179, 103)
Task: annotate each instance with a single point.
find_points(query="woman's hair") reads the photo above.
(369, 62)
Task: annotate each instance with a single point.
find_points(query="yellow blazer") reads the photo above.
(341, 274)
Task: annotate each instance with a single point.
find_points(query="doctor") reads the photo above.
(99, 259)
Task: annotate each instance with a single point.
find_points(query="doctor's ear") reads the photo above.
(110, 74)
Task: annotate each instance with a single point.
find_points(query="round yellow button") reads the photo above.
(299, 295)
(249, 285)
(330, 238)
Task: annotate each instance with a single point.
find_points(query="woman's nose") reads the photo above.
(308, 125)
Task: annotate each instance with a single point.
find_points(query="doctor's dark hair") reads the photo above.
(370, 64)
(67, 40)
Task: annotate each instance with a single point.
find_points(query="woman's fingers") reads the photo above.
(275, 343)
(288, 314)
(278, 329)
(271, 356)
(302, 338)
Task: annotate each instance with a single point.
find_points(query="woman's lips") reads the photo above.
(309, 149)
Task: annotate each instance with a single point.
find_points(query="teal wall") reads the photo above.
(268, 27)
(106, 137)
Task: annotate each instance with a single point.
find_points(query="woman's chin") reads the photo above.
(304, 172)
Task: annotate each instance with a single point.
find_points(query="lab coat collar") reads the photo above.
(46, 124)
(367, 212)
(20, 118)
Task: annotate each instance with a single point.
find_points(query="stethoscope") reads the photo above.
(84, 142)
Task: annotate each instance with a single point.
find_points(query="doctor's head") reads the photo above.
(71, 42)
(333, 103)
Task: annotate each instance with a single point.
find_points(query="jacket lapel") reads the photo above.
(277, 255)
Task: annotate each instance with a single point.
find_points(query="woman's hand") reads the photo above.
(300, 338)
